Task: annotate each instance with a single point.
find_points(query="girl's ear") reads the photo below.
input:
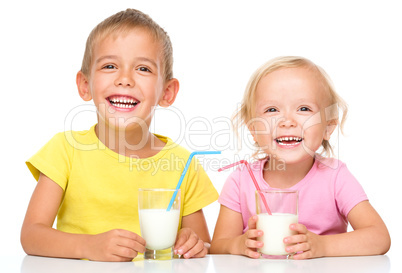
(331, 125)
(169, 93)
(251, 129)
(83, 86)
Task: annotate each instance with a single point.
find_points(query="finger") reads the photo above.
(136, 246)
(109, 257)
(201, 254)
(254, 233)
(298, 248)
(295, 239)
(254, 244)
(299, 228)
(116, 258)
(131, 235)
(252, 254)
(197, 248)
(190, 243)
(303, 255)
(252, 222)
(182, 237)
(125, 252)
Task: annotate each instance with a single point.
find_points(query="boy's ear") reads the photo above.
(331, 125)
(169, 93)
(83, 86)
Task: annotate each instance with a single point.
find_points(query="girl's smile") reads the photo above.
(288, 142)
(290, 114)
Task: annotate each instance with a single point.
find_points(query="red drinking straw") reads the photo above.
(252, 177)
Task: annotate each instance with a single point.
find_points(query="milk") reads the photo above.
(275, 228)
(159, 227)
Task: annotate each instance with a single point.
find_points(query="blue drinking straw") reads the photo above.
(185, 171)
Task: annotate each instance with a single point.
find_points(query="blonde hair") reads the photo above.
(124, 21)
(247, 109)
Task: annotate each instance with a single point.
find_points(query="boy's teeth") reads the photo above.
(123, 102)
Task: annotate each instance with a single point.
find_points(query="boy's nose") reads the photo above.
(124, 79)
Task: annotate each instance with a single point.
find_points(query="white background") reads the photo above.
(217, 45)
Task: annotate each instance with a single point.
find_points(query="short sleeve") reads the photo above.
(348, 191)
(53, 160)
(199, 189)
(230, 194)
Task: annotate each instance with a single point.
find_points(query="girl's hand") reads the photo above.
(248, 243)
(116, 245)
(306, 244)
(189, 245)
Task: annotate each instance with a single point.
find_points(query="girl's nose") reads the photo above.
(124, 79)
(287, 121)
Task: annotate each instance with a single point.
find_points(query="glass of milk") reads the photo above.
(283, 205)
(158, 226)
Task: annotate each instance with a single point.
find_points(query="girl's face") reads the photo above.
(290, 121)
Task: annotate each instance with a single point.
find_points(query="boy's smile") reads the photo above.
(126, 80)
(123, 103)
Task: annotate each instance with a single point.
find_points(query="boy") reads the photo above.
(90, 179)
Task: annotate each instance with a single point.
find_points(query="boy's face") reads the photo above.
(290, 121)
(126, 80)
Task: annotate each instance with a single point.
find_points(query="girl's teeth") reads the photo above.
(281, 139)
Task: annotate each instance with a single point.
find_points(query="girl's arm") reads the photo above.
(39, 238)
(229, 238)
(369, 237)
(193, 240)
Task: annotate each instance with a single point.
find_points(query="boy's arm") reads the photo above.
(369, 237)
(39, 238)
(196, 221)
(229, 238)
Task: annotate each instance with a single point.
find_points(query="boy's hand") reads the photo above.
(306, 244)
(189, 245)
(116, 245)
(248, 243)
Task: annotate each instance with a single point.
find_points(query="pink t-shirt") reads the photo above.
(326, 195)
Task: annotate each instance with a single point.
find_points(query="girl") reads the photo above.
(291, 110)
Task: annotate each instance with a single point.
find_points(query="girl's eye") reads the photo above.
(304, 108)
(270, 110)
(109, 66)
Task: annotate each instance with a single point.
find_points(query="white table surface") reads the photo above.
(211, 263)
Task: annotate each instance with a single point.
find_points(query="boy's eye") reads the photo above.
(109, 66)
(143, 69)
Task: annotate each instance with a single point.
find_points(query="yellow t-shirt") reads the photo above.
(101, 186)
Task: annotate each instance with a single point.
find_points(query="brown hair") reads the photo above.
(124, 21)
